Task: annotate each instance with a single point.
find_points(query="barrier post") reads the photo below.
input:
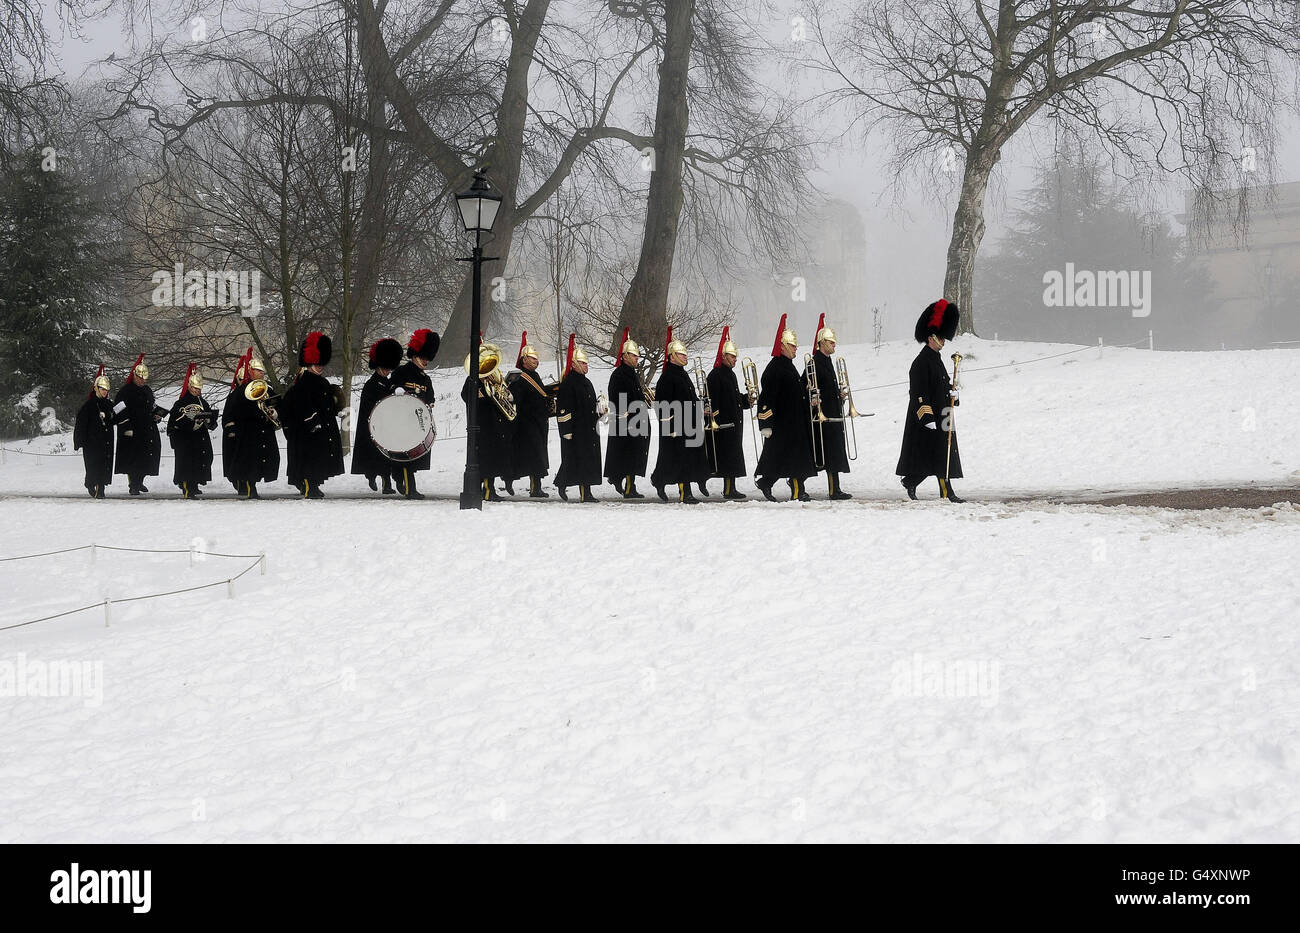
(263, 564)
(230, 589)
(108, 612)
(1151, 340)
(1099, 348)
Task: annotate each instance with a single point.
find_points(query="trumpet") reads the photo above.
(846, 393)
(259, 392)
(751, 389)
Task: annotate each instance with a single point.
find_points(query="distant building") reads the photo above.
(1249, 242)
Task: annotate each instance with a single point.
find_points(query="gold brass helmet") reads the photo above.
(729, 349)
(141, 372)
(826, 334)
(101, 382)
(257, 364)
(675, 348)
(631, 347)
(196, 381)
(789, 338)
(579, 355)
(529, 351)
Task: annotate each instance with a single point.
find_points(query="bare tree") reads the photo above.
(1166, 86)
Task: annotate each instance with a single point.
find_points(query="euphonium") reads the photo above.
(494, 382)
(258, 391)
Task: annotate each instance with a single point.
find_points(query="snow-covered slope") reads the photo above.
(878, 670)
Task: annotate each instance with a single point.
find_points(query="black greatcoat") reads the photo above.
(729, 405)
(680, 425)
(414, 381)
(831, 433)
(575, 406)
(248, 445)
(495, 433)
(93, 436)
(783, 407)
(532, 430)
(139, 448)
(626, 454)
(309, 415)
(191, 440)
(925, 449)
(367, 459)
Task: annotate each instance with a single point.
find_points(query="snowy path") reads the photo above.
(874, 670)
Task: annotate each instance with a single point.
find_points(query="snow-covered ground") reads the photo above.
(875, 670)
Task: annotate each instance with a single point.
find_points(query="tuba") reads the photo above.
(258, 391)
(493, 381)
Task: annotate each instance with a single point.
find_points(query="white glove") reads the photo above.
(128, 433)
(932, 425)
(567, 437)
(766, 432)
(399, 391)
(119, 408)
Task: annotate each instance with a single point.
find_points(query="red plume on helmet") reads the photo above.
(185, 383)
(667, 340)
(92, 382)
(519, 357)
(627, 332)
(717, 360)
(817, 334)
(780, 329)
(130, 373)
(568, 360)
(240, 372)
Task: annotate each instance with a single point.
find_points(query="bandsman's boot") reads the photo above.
(535, 490)
(730, 492)
(684, 495)
(946, 491)
(387, 488)
(833, 481)
(585, 495)
(798, 492)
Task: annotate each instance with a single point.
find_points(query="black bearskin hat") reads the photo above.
(316, 350)
(939, 318)
(423, 343)
(386, 354)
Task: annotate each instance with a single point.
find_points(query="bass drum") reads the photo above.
(402, 427)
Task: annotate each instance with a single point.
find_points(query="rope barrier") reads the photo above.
(135, 550)
(229, 582)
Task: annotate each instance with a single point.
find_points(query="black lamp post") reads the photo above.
(478, 212)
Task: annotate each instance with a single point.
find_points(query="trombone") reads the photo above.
(846, 393)
(702, 390)
(751, 389)
(816, 417)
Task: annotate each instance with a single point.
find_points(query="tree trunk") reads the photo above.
(967, 233)
(645, 309)
(503, 160)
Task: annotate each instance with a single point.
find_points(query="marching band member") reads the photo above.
(828, 444)
(248, 444)
(367, 459)
(192, 419)
(93, 435)
(678, 462)
(576, 417)
(310, 409)
(532, 422)
(411, 378)
(495, 430)
(627, 450)
(783, 411)
(926, 428)
(726, 448)
(139, 448)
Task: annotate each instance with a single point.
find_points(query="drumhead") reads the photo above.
(402, 427)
